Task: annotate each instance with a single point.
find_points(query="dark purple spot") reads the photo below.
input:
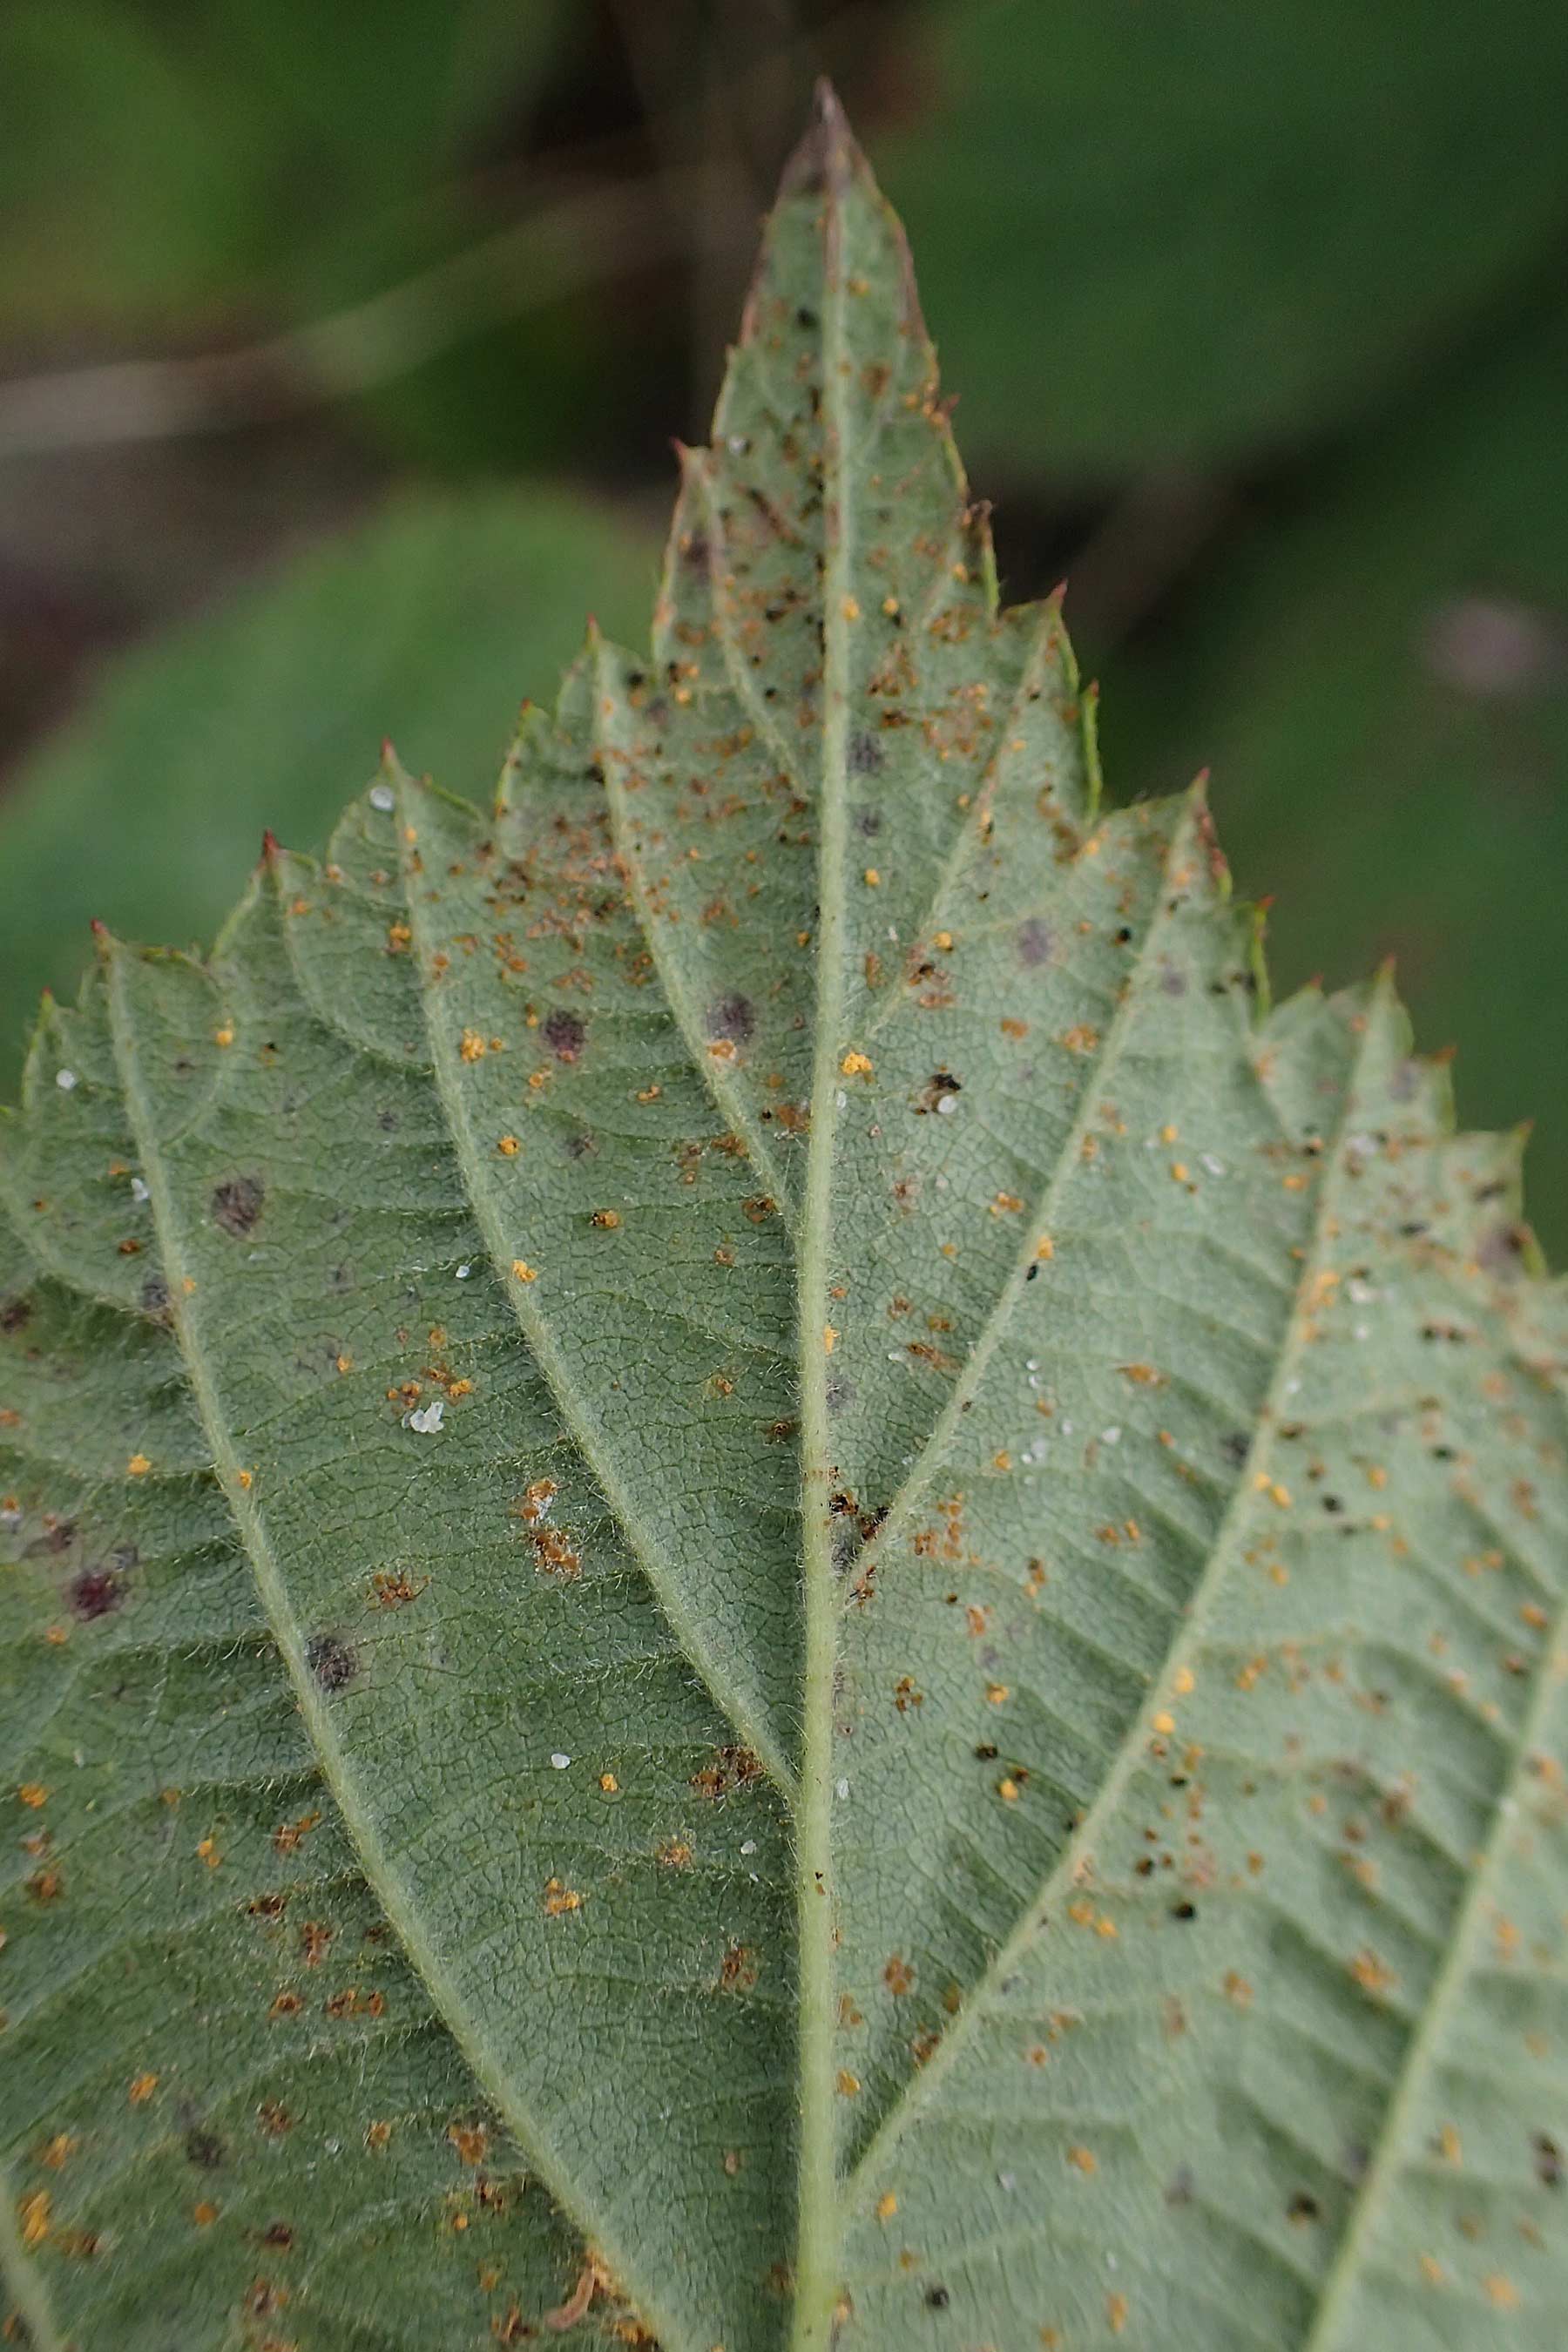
(1502, 1250)
(866, 755)
(1034, 942)
(1181, 2188)
(1548, 2160)
(1172, 982)
(731, 1017)
(96, 1592)
(15, 1315)
(236, 1204)
(565, 1033)
(868, 823)
(580, 1146)
(154, 1296)
(331, 1662)
(204, 2147)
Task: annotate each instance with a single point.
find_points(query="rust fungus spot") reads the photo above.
(471, 2140)
(738, 1971)
(731, 1768)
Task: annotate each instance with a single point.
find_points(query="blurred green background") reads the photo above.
(340, 348)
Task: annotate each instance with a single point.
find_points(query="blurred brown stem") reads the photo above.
(579, 240)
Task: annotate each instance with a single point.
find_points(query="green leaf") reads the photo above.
(1379, 682)
(1169, 232)
(767, 1582)
(152, 162)
(422, 622)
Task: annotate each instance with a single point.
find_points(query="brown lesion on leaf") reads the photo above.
(740, 1969)
(733, 1768)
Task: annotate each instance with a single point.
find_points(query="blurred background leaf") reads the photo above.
(147, 809)
(1159, 231)
(339, 349)
(1379, 673)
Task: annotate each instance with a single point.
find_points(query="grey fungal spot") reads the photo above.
(731, 1018)
(1034, 942)
(565, 1033)
(331, 1661)
(236, 1204)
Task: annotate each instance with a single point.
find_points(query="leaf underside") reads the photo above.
(762, 1579)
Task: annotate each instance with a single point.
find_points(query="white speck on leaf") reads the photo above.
(381, 798)
(65, 1080)
(427, 1419)
(560, 1760)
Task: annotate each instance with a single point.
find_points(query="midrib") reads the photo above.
(819, 2238)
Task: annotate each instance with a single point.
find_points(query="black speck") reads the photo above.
(1184, 1911)
(236, 1204)
(1304, 2207)
(731, 1017)
(204, 2147)
(936, 2298)
(331, 1661)
(154, 1296)
(565, 1033)
(866, 755)
(1236, 1446)
(1548, 2160)
(15, 1315)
